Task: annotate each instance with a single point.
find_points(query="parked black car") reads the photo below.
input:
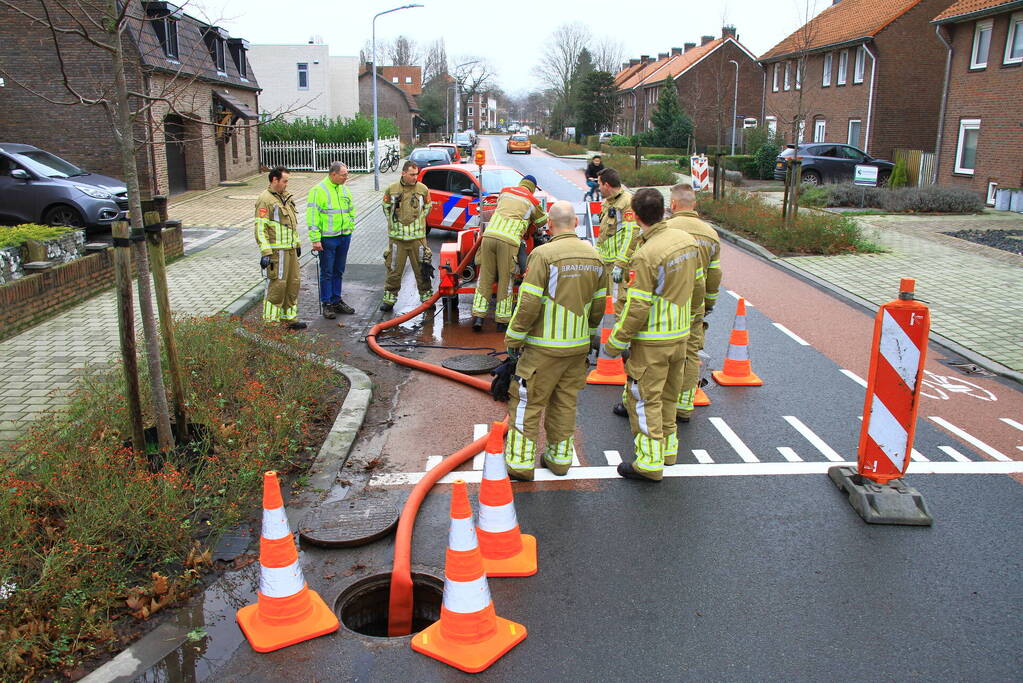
(830, 162)
(426, 156)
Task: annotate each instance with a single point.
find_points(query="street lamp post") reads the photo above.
(735, 102)
(376, 132)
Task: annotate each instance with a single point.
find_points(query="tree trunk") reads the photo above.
(126, 328)
(124, 136)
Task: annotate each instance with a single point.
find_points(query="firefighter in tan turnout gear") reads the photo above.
(654, 327)
(561, 303)
(277, 237)
(684, 217)
(517, 211)
(618, 231)
(406, 205)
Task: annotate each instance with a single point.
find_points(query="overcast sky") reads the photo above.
(513, 35)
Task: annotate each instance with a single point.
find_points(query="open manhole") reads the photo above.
(362, 607)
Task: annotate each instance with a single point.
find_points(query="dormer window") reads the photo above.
(164, 18)
(238, 49)
(215, 44)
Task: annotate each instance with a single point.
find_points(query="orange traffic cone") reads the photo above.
(287, 610)
(506, 551)
(609, 370)
(701, 398)
(737, 370)
(469, 636)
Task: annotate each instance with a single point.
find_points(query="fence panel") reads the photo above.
(309, 155)
(927, 169)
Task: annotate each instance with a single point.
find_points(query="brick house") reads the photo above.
(480, 112)
(980, 144)
(194, 140)
(862, 72)
(393, 100)
(705, 80)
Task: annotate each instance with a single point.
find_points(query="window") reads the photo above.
(820, 127)
(777, 70)
(436, 180)
(234, 143)
(799, 74)
(303, 76)
(992, 188)
(457, 182)
(855, 125)
(772, 124)
(981, 44)
(408, 80)
(788, 75)
(470, 111)
(394, 79)
(850, 153)
(826, 78)
(843, 67)
(248, 142)
(167, 32)
(802, 132)
(215, 44)
(966, 151)
(1014, 40)
(861, 58)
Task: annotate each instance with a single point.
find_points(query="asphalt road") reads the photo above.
(745, 563)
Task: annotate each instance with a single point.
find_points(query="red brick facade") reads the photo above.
(990, 95)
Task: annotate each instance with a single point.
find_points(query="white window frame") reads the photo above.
(301, 70)
(1015, 28)
(788, 75)
(799, 74)
(820, 130)
(470, 111)
(772, 124)
(860, 64)
(848, 135)
(826, 75)
(777, 72)
(408, 80)
(802, 132)
(394, 79)
(843, 67)
(992, 188)
(981, 26)
(965, 125)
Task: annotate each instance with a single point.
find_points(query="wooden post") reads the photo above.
(126, 329)
(785, 195)
(638, 162)
(797, 182)
(158, 264)
(719, 177)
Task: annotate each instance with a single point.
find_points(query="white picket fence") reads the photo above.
(309, 155)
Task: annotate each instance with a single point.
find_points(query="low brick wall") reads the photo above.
(31, 299)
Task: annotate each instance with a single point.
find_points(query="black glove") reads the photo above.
(298, 251)
(540, 239)
(427, 270)
(705, 325)
(503, 374)
(515, 353)
(625, 355)
(595, 342)
(264, 262)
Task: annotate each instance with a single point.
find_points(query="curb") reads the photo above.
(940, 340)
(164, 639)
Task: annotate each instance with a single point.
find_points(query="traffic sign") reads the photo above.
(865, 175)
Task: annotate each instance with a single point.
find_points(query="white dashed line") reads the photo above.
(789, 454)
(814, 440)
(478, 432)
(702, 457)
(953, 453)
(796, 337)
(432, 462)
(969, 438)
(1012, 423)
(613, 458)
(854, 377)
(737, 296)
(733, 440)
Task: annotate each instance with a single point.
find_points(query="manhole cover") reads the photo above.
(472, 363)
(233, 543)
(346, 523)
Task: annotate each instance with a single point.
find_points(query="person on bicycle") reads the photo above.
(593, 169)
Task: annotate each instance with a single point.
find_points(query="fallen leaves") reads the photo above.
(145, 601)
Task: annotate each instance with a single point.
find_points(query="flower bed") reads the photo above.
(23, 243)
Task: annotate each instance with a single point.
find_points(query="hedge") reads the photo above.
(19, 234)
(339, 130)
(929, 199)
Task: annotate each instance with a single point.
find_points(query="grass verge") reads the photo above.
(96, 536)
(812, 232)
(12, 236)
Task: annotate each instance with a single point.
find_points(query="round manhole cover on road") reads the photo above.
(346, 523)
(472, 363)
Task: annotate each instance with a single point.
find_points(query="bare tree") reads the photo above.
(435, 63)
(794, 114)
(557, 64)
(608, 54)
(475, 76)
(404, 51)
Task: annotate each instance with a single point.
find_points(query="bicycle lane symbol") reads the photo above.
(942, 387)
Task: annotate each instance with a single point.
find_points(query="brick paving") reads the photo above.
(40, 365)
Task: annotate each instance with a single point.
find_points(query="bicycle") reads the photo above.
(390, 161)
(593, 194)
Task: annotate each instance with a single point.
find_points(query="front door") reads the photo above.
(174, 135)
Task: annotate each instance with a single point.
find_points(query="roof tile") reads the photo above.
(657, 71)
(962, 7)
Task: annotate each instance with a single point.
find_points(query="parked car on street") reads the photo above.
(606, 136)
(429, 156)
(39, 187)
(519, 143)
(456, 158)
(830, 162)
(465, 144)
(454, 188)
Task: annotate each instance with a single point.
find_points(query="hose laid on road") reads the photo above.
(399, 619)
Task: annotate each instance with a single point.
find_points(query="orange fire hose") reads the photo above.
(399, 620)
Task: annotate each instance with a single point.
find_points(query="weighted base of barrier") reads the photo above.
(891, 503)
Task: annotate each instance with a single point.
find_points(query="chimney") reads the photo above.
(662, 55)
(633, 62)
(688, 47)
(705, 39)
(645, 59)
(729, 32)
(676, 51)
(625, 65)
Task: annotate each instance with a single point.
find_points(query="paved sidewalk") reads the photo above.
(39, 366)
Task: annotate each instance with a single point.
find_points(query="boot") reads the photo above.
(477, 324)
(683, 417)
(556, 468)
(386, 306)
(619, 409)
(519, 475)
(501, 327)
(342, 307)
(626, 470)
(295, 324)
(328, 311)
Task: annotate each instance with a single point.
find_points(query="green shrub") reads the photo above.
(666, 157)
(744, 163)
(928, 199)
(900, 175)
(812, 232)
(13, 236)
(648, 175)
(593, 143)
(813, 196)
(764, 159)
(339, 130)
(623, 140)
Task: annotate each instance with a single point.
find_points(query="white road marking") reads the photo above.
(756, 469)
(1012, 423)
(799, 340)
(814, 440)
(575, 458)
(969, 438)
(478, 432)
(854, 377)
(953, 453)
(702, 457)
(789, 454)
(613, 458)
(738, 296)
(917, 456)
(433, 461)
(734, 441)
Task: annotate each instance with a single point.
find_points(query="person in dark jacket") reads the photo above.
(593, 169)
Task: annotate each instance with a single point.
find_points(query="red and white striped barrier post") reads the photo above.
(898, 353)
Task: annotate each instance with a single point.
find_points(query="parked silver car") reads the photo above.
(39, 187)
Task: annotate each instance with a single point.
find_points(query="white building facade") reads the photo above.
(304, 80)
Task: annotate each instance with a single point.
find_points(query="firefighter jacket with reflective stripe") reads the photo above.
(709, 244)
(618, 229)
(561, 298)
(406, 207)
(276, 222)
(330, 210)
(662, 278)
(517, 209)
